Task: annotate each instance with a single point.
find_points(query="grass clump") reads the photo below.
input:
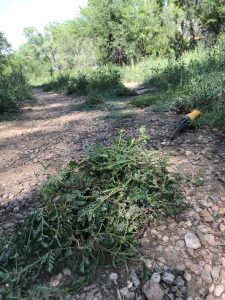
(144, 100)
(94, 98)
(122, 91)
(90, 212)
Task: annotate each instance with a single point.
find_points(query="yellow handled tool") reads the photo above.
(194, 115)
(186, 121)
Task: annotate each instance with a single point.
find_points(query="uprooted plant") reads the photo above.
(90, 212)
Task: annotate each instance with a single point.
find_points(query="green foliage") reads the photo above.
(144, 100)
(102, 78)
(94, 98)
(211, 15)
(122, 90)
(13, 84)
(90, 212)
(194, 80)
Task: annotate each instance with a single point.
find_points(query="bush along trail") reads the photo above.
(128, 217)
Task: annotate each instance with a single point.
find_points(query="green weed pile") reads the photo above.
(91, 212)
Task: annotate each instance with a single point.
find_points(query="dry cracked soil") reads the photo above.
(52, 130)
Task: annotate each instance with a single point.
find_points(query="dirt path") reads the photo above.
(52, 131)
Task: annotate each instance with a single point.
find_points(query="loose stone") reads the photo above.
(192, 240)
(168, 277)
(219, 289)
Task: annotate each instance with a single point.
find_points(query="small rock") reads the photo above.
(155, 278)
(67, 272)
(148, 263)
(215, 208)
(207, 267)
(201, 237)
(188, 153)
(168, 277)
(222, 211)
(206, 276)
(153, 291)
(210, 239)
(187, 276)
(127, 294)
(145, 242)
(222, 276)
(166, 239)
(206, 216)
(98, 297)
(222, 227)
(211, 288)
(55, 280)
(215, 272)
(179, 282)
(113, 277)
(181, 267)
(214, 197)
(129, 284)
(192, 240)
(197, 270)
(134, 278)
(162, 260)
(183, 289)
(219, 289)
(223, 261)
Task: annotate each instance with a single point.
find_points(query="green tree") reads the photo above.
(212, 15)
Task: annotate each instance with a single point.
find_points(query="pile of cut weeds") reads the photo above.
(91, 212)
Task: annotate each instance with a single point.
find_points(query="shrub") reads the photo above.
(122, 90)
(13, 88)
(144, 100)
(7, 100)
(91, 211)
(102, 78)
(94, 97)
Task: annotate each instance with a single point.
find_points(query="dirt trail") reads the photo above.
(46, 132)
(52, 131)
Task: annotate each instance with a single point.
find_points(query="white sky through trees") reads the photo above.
(17, 14)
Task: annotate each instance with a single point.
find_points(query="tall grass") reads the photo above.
(197, 79)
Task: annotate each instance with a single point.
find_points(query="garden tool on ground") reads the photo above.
(186, 121)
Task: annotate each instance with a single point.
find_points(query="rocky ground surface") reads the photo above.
(182, 258)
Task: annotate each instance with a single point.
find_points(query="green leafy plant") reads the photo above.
(94, 98)
(144, 100)
(91, 212)
(122, 90)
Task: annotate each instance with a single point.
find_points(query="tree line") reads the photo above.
(123, 32)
